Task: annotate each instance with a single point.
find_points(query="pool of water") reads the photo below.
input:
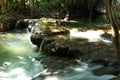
(17, 57)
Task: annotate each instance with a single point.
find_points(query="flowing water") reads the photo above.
(17, 57)
(91, 35)
(17, 62)
(41, 45)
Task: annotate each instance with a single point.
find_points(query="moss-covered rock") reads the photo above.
(42, 36)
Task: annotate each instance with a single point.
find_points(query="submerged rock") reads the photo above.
(109, 67)
(116, 78)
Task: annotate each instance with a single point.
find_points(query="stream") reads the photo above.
(17, 62)
(16, 57)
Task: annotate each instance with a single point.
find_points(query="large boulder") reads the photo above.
(45, 40)
(61, 48)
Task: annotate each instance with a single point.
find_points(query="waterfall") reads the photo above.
(41, 45)
(28, 34)
(17, 25)
(33, 29)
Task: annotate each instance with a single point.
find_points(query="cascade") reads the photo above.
(17, 25)
(33, 29)
(41, 45)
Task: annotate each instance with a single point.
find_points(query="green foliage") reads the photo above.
(3, 17)
(52, 8)
(49, 5)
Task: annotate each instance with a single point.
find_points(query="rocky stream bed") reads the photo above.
(71, 44)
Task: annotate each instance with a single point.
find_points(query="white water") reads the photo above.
(42, 43)
(17, 57)
(92, 36)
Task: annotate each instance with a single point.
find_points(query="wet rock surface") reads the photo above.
(7, 25)
(109, 67)
(16, 24)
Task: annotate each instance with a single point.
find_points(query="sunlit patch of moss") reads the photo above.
(42, 22)
(47, 24)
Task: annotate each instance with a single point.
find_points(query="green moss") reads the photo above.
(47, 24)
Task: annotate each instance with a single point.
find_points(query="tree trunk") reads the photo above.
(36, 4)
(114, 26)
(91, 10)
(32, 8)
(3, 6)
(23, 3)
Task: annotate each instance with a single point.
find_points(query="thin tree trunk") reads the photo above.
(3, 6)
(32, 8)
(114, 26)
(91, 10)
(23, 3)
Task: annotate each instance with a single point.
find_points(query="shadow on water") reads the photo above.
(60, 68)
